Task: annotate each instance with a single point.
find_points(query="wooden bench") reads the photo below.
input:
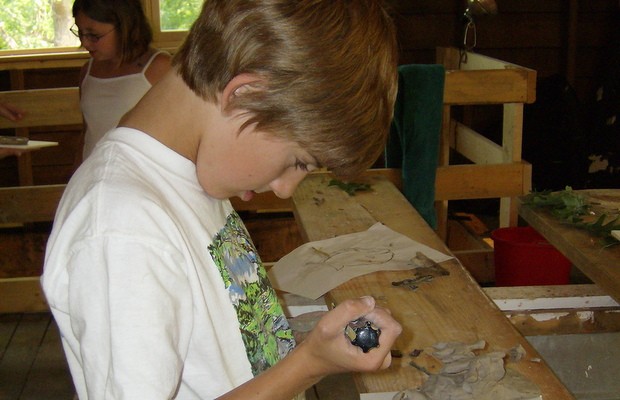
(30, 204)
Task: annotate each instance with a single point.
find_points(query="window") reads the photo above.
(171, 19)
(44, 24)
(178, 15)
(36, 24)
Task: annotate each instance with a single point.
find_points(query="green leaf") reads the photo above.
(349, 187)
(570, 207)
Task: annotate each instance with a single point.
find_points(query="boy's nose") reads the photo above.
(285, 186)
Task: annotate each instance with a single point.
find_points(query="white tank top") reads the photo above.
(105, 100)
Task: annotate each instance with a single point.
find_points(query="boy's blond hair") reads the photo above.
(327, 67)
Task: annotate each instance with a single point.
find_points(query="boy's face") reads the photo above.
(251, 162)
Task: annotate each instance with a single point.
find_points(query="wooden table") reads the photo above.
(450, 308)
(600, 264)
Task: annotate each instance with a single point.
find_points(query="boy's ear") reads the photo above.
(238, 85)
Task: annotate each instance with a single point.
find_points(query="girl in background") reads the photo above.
(123, 64)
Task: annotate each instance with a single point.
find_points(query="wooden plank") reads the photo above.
(519, 298)
(336, 387)
(476, 61)
(19, 295)
(476, 147)
(19, 356)
(450, 308)
(512, 132)
(461, 238)
(321, 219)
(479, 263)
(29, 203)
(488, 87)
(532, 57)
(565, 322)
(24, 163)
(44, 59)
(44, 107)
(263, 202)
(553, 310)
(484, 80)
(49, 377)
(8, 325)
(273, 235)
(600, 264)
(481, 181)
(508, 212)
(465, 240)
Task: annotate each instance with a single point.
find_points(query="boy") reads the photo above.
(151, 276)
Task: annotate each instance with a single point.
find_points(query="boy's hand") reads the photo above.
(331, 351)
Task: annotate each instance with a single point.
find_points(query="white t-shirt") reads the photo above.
(156, 287)
(104, 101)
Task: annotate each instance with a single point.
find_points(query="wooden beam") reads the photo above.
(478, 79)
(488, 87)
(562, 309)
(39, 59)
(18, 203)
(44, 107)
(475, 147)
(480, 181)
(19, 295)
(522, 298)
(479, 263)
(263, 202)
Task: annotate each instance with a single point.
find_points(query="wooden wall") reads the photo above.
(55, 164)
(567, 37)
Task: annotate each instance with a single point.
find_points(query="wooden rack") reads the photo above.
(497, 170)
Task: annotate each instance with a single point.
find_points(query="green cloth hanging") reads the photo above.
(413, 144)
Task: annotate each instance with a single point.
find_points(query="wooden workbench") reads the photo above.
(600, 264)
(450, 308)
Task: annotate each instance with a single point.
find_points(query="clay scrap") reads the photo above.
(467, 372)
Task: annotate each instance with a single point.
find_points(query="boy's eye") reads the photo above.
(301, 165)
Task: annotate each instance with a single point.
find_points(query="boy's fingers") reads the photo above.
(355, 308)
(365, 307)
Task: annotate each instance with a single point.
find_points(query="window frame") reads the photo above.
(161, 39)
